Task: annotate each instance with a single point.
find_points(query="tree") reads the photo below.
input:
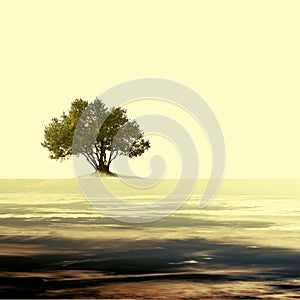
(96, 132)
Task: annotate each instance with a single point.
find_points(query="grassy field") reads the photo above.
(55, 244)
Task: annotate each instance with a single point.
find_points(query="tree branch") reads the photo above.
(112, 158)
(90, 159)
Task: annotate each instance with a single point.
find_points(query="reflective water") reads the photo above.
(246, 243)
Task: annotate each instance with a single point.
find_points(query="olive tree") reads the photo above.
(101, 134)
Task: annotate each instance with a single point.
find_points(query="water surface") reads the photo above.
(55, 244)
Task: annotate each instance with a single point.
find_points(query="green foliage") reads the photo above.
(101, 134)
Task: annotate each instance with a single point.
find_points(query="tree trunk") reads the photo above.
(103, 168)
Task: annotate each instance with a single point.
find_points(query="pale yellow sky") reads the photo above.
(242, 57)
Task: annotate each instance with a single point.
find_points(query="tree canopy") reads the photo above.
(96, 132)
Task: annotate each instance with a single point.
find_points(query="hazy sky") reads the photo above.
(242, 57)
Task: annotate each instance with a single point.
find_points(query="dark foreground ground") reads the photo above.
(182, 269)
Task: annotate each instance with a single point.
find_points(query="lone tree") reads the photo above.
(96, 132)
